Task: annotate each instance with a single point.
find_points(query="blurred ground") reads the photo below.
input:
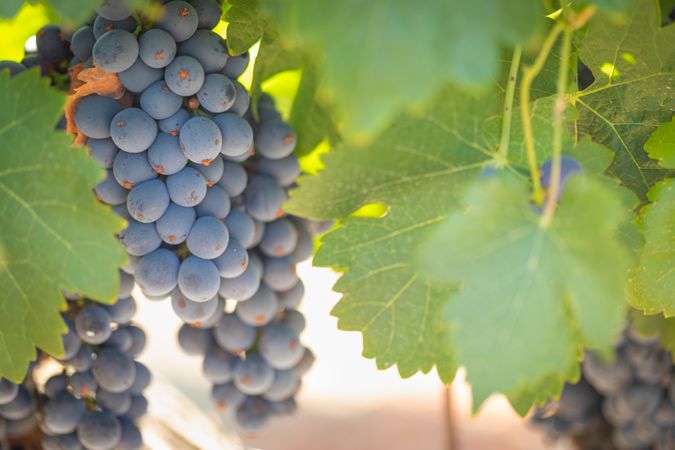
(346, 403)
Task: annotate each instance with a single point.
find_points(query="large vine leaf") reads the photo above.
(311, 116)
(55, 235)
(531, 296)
(655, 325)
(633, 62)
(381, 56)
(653, 280)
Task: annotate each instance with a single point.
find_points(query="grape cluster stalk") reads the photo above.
(627, 403)
(201, 181)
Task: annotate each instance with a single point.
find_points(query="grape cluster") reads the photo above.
(201, 182)
(625, 404)
(96, 396)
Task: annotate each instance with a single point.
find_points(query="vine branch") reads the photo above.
(504, 141)
(529, 74)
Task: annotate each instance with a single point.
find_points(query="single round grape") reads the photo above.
(8, 391)
(234, 260)
(131, 169)
(82, 42)
(173, 124)
(233, 335)
(122, 310)
(71, 341)
(139, 238)
(216, 203)
(190, 311)
(291, 298)
(198, 279)
(236, 132)
(109, 191)
(139, 76)
(208, 12)
(148, 201)
(218, 366)
(305, 246)
(139, 406)
(275, 139)
(63, 413)
(93, 324)
(54, 385)
(280, 346)
(214, 319)
(242, 100)
(115, 51)
(187, 187)
(142, 380)
(131, 438)
(286, 384)
(200, 140)
(99, 430)
(295, 320)
(113, 10)
(208, 237)
(20, 407)
(175, 224)
(236, 65)
(213, 172)
(159, 101)
(113, 370)
(285, 170)
(280, 238)
(51, 43)
(83, 384)
(206, 47)
(279, 273)
(165, 156)
(241, 227)
(93, 115)
(126, 285)
(260, 309)
(122, 339)
(157, 48)
(157, 272)
(306, 362)
(226, 396)
(234, 178)
(253, 413)
(263, 198)
(184, 75)
(103, 25)
(217, 94)
(117, 403)
(180, 19)
(138, 343)
(133, 130)
(193, 340)
(253, 375)
(103, 151)
(243, 287)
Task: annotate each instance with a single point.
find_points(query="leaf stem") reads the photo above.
(503, 149)
(529, 74)
(558, 114)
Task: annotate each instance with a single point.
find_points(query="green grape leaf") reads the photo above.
(382, 56)
(532, 297)
(8, 8)
(633, 63)
(55, 235)
(653, 280)
(655, 325)
(661, 144)
(311, 116)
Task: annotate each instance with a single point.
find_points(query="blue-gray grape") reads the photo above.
(159, 101)
(208, 12)
(131, 169)
(280, 346)
(133, 130)
(233, 335)
(113, 10)
(157, 48)
(285, 170)
(234, 178)
(51, 45)
(263, 198)
(260, 309)
(217, 94)
(275, 139)
(179, 19)
(237, 135)
(234, 260)
(103, 25)
(213, 172)
(113, 370)
(242, 287)
(226, 396)
(206, 47)
(215, 204)
(93, 115)
(280, 238)
(219, 366)
(139, 76)
(109, 191)
(140, 238)
(200, 140)
(192, 312)
(175, 224)
(236, 65)
(63, 413)
(93, 324)
(241, 227)
(253, 376)
(279, 273)
(99, 430)
(186, 187)
(148, 201)
(193, 340)
(165, 156)
(173, 124)
(115, 51)
(157, 272)
(82, 42)
(103, 151)
(184, 75)
(198, 279)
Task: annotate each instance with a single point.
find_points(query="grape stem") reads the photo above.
(503, 149)
(529, 74)
(558, 113)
